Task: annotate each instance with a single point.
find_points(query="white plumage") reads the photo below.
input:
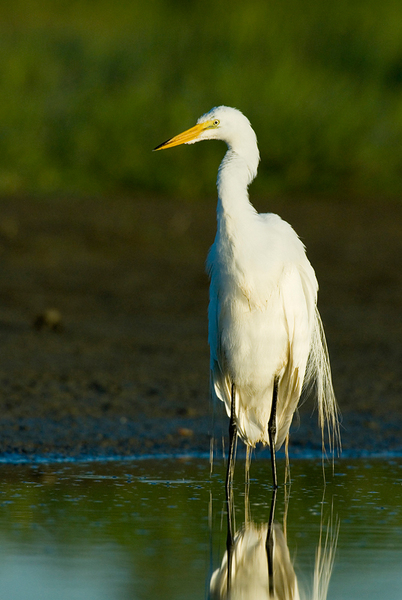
(264, 327)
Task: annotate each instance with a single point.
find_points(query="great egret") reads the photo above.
(265, 332)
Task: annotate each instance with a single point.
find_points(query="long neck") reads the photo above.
(234, 176)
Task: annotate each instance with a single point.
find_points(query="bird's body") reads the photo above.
(265, 332)
(260, 326)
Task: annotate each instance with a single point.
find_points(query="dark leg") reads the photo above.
(232, 441)
(269, 546)
(229, 481)
(272, 433)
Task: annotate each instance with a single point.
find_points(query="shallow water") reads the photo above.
(157, 529)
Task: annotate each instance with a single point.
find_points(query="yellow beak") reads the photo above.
(187, 136)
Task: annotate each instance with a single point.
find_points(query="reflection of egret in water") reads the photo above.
(249, 573)
(257, 564)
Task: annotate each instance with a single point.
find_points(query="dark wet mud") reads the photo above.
(103, 326)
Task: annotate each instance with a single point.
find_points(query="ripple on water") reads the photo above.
(157, 528)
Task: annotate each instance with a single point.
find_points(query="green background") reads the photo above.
(88, 88)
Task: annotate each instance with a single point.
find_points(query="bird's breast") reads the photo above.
(246, 278)
(248, 300)
(253, 335)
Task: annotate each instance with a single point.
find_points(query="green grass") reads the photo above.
(88, 88)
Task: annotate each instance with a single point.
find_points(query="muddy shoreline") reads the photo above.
(121, 368)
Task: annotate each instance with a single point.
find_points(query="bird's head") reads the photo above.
(220, 123)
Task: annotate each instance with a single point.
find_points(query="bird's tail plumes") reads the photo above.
(318, 375)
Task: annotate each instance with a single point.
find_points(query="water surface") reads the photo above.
(157, 528)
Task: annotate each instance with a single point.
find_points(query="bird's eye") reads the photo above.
(216, 122)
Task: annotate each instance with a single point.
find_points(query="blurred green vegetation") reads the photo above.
(89, 87)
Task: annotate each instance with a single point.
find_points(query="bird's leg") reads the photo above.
(232, 441)
(229, 481)
(272, 433)
(269, 546)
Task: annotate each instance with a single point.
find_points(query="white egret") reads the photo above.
(265, 332)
